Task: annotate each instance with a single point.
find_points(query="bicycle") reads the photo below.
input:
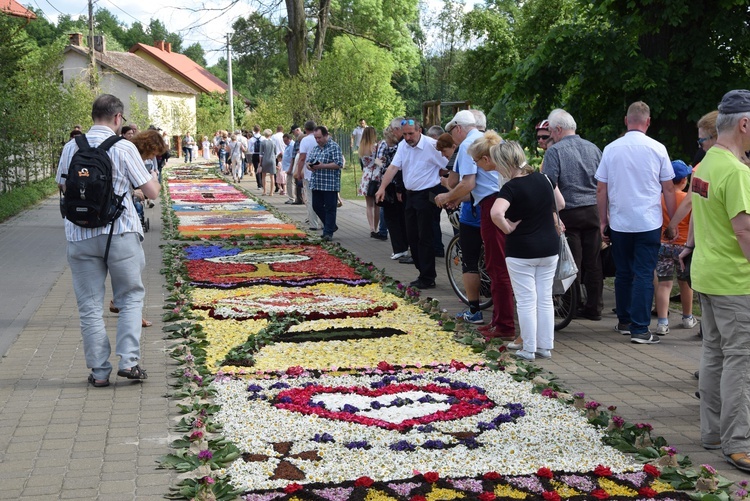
(453, 265)
(565, 305)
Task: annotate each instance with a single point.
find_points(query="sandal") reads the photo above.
(112, 307)
(739, 460)
(146, 323)
(134, 372)
(98, 383)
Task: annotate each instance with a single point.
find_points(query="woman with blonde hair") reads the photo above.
(371, 171)
(525, 211)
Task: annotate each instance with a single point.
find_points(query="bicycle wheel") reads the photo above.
(453, 265)
(565, 306)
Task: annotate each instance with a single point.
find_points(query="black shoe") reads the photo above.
(377, 236)
(406, 260)
(288, 202)
(582, 313)
(696, 374)
(422, 284)
(298, 203)
(327, 238)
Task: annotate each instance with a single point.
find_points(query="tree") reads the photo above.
(358, 90)
(679, 57)
(261, 60)
(196, 53)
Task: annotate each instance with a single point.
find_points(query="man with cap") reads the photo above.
(721, 273)
(634, 172)
(571, 162)
(483, 186)
(420, 163)
(668, 264)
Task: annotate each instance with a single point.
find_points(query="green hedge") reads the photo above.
(18, 199)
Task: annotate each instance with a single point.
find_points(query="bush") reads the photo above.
(15, 201)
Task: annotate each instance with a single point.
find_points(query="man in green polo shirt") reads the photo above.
(721, 273)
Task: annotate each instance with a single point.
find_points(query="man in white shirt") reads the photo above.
(306, 145)
(634, 172)
(278, 140)
(420, 163)
(125, 261)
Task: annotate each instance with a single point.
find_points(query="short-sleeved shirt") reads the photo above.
(571, 163)
(306, 145)
(286, 161)
(128, 171)
(634, 167)
(357, 135)
(721, 191)
(532, 201)
(419, 164)
(464, 165)
(278, 142)
(326, 179)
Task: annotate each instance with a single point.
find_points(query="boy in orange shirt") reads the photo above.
(669, 264)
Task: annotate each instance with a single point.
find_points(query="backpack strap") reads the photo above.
(82, 142)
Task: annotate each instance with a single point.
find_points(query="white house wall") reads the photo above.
(173, 113)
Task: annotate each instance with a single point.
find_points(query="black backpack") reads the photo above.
(256, 146)
(89, 200)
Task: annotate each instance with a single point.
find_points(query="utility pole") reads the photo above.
(92, 72)
(231, 90)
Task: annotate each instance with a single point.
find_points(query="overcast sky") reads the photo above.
(204, 22)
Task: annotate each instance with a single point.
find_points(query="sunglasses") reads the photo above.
(702, 140)
(407, 122)
(543, 138)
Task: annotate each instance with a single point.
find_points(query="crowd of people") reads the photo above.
(630, 196)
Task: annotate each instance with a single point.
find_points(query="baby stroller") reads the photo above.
(141, 215)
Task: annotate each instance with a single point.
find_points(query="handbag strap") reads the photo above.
(554, 201)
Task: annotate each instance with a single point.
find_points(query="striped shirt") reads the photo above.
(128, 171)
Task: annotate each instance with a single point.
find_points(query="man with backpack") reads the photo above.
(104, 236)
(254, 147)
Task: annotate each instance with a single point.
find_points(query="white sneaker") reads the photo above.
(661, 329)
(689, 323)
(514, 346)
(525, 355)
(543, 353)
(398, 255)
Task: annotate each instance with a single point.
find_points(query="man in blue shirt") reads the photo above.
(325, 162)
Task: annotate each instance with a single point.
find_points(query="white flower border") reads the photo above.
(551, 435)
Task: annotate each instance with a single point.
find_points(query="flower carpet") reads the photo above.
(207, 207)
(306, 375)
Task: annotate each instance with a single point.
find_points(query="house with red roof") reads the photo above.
(168, 103)
(180, 67)
(15, 9)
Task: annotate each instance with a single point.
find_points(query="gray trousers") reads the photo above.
(124, 265)
(725, 372)
(312, 217)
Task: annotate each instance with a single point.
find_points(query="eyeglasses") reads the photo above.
(542, 138)
(702, 140)
(123, 117)
(407, 122)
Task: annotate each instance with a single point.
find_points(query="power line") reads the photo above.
(124, 12)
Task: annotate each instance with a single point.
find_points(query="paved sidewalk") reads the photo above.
(60, 439)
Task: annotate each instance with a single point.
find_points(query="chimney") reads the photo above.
(159, 44)
(99, 44)
(75, 39)
(168, 46)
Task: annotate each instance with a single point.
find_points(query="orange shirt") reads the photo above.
(684, 225)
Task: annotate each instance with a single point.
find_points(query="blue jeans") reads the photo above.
(382, 227)
(125, 265)
(635, 256)
(324, 204)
